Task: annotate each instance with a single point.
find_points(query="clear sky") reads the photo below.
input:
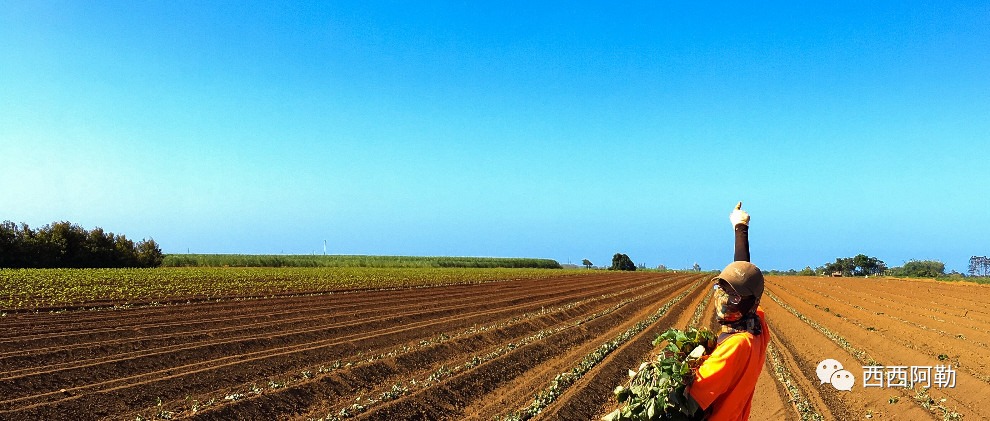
(565, 130)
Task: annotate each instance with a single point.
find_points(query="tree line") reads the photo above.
(862, 265)
(859, 265)
(67, 245)
(979, 266)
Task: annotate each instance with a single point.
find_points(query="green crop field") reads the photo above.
(57, 288)
(251, 260)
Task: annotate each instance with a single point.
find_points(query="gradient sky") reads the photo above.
(564, 130)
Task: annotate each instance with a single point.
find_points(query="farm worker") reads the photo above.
(724, 383)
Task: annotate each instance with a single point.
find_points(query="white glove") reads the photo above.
(739, 216)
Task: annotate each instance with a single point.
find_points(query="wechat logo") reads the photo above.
(831, 371)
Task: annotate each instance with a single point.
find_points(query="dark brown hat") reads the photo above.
(744, 277)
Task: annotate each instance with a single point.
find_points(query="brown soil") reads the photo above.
(145, 361)
(478, 351)
(890, 322)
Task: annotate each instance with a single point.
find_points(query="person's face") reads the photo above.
(726, 303)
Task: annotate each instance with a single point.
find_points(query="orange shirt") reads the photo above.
(725, 382)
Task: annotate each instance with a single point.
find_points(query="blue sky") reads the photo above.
(563, 130)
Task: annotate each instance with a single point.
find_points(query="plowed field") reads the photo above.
(480, 351)
(882, 322)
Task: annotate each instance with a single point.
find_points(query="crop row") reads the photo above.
(783, 376)
(444, 372)
(699, 311)
(307, 260)
(50, 289)
(564, 380)
(860, 355)
(911, 343)
(215, 366)
(307, 374)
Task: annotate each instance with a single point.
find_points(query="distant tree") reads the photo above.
(64, 244)
(587, 263)
(696, 267)
(865, 265)
(127, 255)
(622, 262)
(149, 254)
(9, 246)
(807, 271)
(979, 266)
(662, 268)
(920, 269)
(840, 265)
(101, 247)
(859, 265)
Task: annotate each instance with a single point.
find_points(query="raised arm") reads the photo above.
(740, 224)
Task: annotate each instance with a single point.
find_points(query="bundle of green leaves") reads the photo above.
(658, 389)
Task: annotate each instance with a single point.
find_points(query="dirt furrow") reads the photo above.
(894, 348)
(957, 349)
(192, 317)
(449, 399)
(589, 395)
(473, 351)
(800, 348)
(858, 350)
(405, 370)
(304, 328)
(237, 359)
(963, 323)
(219, 353)
(518, 393)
